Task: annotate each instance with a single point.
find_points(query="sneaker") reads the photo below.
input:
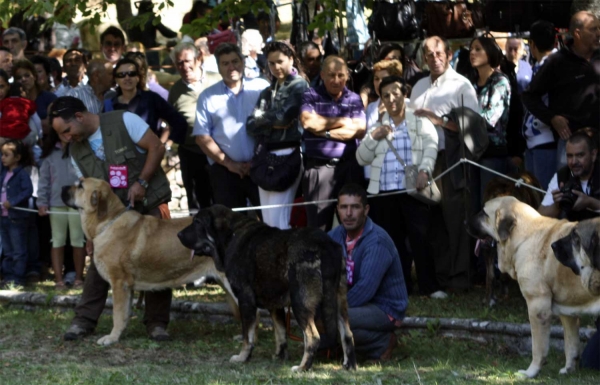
(76, 332)
(159, 334)
(69, 278)
(438, 295)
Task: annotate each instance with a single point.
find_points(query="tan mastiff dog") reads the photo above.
(580, 251)
(525, 252)
(134, 251)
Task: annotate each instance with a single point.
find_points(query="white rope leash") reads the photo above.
(49, 212)
(518, 183)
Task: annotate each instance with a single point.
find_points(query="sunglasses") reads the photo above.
(122, 75)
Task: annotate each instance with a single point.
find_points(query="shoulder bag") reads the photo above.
(275, 172)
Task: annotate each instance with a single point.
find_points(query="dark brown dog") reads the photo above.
(270, 268)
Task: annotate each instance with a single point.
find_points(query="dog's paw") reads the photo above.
(107, 340)
(237, 358)
(567, 370)
(297, 368)
(528, 373)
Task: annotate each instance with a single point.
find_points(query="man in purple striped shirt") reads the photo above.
(333, 119)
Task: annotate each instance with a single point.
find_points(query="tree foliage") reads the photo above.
(94, 10)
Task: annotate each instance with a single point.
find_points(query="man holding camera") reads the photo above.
(574, 191)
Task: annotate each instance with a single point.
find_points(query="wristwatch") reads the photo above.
(444, 120)
(327, 134)
(143, 183)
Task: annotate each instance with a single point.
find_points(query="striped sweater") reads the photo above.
(378, 277)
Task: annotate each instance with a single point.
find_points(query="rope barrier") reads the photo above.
(518, 183)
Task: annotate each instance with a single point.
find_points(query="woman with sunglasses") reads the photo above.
(276, 127)
(147, 77)
(148, 105)
(493, 93)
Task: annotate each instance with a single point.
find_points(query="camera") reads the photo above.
(569, 198)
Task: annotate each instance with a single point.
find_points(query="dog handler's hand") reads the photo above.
(136, 193)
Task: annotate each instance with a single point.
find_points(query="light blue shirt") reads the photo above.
(222, 115)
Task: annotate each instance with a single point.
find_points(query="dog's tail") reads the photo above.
(331, 275)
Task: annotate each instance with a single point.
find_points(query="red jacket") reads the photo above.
(14, 117)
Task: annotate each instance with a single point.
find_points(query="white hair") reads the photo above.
(251, 41)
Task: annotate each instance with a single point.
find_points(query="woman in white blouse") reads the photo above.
(416, 141)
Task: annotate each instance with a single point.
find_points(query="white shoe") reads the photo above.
(438, 295)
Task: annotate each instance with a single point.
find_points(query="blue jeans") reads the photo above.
(33, 247)
(14, 241)
(541, 162)
(371, 328)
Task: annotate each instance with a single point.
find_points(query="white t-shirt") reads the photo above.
(553, 185)
(136, 128)
(441, 96)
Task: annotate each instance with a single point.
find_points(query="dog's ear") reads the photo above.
(102, 209)
(505, 223)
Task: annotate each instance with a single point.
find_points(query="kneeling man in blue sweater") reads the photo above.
(377, 297)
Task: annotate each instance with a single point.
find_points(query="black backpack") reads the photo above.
(394, 21)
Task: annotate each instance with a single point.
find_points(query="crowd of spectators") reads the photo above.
(276, 103)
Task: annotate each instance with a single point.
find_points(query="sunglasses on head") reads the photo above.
(122, 75)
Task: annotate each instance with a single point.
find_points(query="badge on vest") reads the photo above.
(118, 176)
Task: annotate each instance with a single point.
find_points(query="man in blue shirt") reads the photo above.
(377, 297)
(220, 129)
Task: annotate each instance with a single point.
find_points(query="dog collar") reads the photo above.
(106, 226)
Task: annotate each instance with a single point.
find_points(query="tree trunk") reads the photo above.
(124, 13)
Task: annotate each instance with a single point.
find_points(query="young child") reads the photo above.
(16, 191)
(15, 110)
(57, 171)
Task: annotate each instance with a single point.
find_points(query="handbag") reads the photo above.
(429, 195)
(216, 39)
(394, 21)
(275, 172)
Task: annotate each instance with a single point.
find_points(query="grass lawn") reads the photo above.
(458, 305)
(32, 352)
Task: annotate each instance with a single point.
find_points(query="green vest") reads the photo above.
(120, 149)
